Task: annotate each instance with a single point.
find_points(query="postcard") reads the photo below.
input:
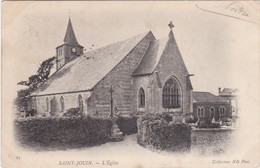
(113, 84)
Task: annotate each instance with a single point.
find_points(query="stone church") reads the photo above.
(141, 74)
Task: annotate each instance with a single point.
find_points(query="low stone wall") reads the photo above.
(156, 132)
(211, 141)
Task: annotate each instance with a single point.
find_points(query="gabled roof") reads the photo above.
(70, 37)
(155, 52)
(85, 71)
(228, 92)
(208, 97)
(151, 57)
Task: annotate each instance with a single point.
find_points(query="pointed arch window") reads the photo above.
(47, 104)
(80, 103)
(200, 112)
(62, 104)
(171, 94)
(222, 111)
(212, 109)
(212, 112)
(141, 96)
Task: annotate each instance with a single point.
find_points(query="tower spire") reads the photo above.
(69, 49)
(70, 37)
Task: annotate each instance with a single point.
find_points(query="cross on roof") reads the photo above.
(171, 25)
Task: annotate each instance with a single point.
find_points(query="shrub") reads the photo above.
(72, 112)
(127, 125)
(167, 117)
(154, 131)
(31, 113)
(164, 117)
(62, 132)
(226, 121)
(214, 125)
(191, 120)
(202, 123)
(175, 137)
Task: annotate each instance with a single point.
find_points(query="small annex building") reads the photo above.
(209, 106)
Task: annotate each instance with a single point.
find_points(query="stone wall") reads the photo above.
(155, 133)
(99, 101)
(70, 101)
(141, 81)
(211, 141)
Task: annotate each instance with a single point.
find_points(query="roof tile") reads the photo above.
(207, 97)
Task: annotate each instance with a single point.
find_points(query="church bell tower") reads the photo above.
(69, 49)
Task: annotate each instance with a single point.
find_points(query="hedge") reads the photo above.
(156, 131)
(63, 132)
(127, 125)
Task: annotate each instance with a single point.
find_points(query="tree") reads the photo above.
(33, 82)
(43, 72)
(22, 99)
(45, 69)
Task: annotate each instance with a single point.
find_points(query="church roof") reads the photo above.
(228, 92)
(154, 53)
(85, 71)
(151, 57)
(207, 97)
(70, 37)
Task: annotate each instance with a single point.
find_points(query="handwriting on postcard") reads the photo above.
(238, 10)
(234, 10)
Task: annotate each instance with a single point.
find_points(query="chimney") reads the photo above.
(219, 90)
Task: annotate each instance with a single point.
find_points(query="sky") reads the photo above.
(216, 48)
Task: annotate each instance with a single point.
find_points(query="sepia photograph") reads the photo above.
(148, 84)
